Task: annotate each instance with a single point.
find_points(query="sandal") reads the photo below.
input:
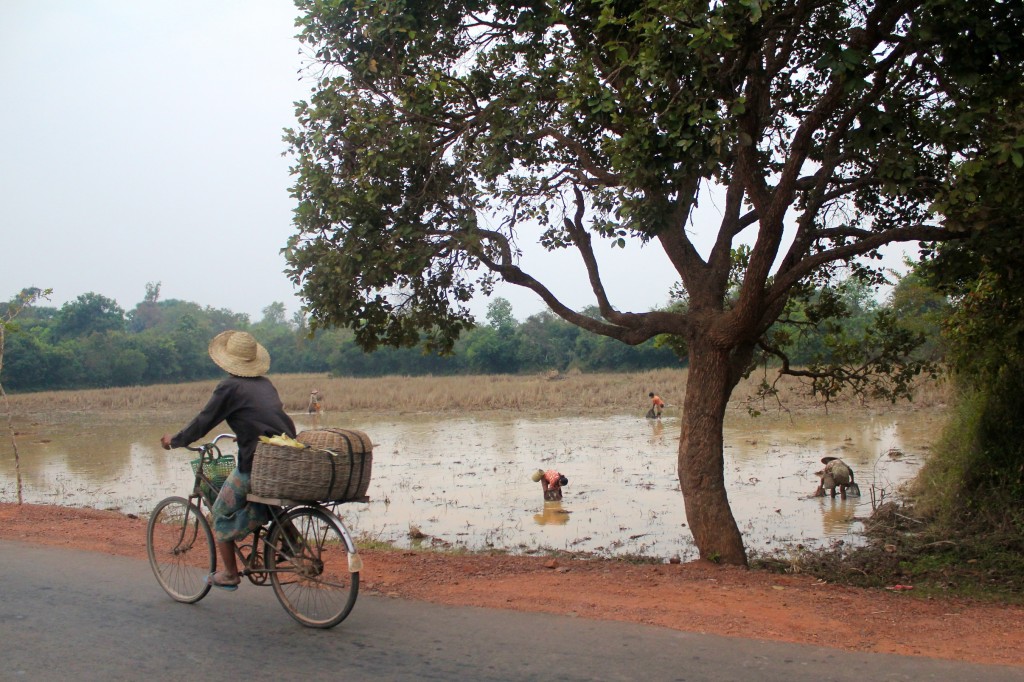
(213, 582)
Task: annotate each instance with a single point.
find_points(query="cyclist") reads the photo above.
(249, 403)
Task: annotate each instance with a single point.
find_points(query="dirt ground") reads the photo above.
(693, 597)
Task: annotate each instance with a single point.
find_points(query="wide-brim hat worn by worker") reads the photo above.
(826, 460)
(238, 353)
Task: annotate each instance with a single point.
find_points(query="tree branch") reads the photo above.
(803, 267)
(582, 240)
(583, 154)
(630, 328)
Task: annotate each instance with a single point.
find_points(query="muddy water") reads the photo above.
(466, 482)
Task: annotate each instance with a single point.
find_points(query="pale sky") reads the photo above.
(142, 143)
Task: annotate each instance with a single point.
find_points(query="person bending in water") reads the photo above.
(836, 474)
(551, 483)
(657, 406)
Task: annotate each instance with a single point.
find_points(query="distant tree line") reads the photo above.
(92, 342)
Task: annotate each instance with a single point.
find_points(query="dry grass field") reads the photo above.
(570, 393)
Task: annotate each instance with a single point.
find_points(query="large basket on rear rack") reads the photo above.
(335, 467)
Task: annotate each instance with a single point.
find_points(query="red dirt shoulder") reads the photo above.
(693, 597)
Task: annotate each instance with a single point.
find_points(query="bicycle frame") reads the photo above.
(279, 510)
(249, 551)
(297, 551)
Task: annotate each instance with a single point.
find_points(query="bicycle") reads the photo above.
(298, 551)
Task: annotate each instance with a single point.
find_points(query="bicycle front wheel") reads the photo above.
(181, 549)
(307, 559)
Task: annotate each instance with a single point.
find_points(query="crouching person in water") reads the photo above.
(836, 474)
(551, 483)
(252, 408)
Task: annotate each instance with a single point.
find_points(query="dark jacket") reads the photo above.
(251, 407)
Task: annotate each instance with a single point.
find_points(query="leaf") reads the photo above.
(755, 9)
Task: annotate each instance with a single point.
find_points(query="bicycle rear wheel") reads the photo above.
(307, 559)
(181, 549)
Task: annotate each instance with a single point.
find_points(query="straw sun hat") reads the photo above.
(238, 353)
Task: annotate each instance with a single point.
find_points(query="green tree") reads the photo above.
(191, 342)
(279, 338)
(494, 349)
(163, 364)
(831, 127)
(546, 341)
(26, 366)
(838, 337)
(147, 314)
(921, 308)
(89, 313)
(274, 315)
(15, 307)
(976, 475)
(111, 359)
(499, 315)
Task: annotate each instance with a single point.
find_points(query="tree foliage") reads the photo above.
(441, 134)
(88, 314)
(839, 339)
(603, 118)
(977, 473)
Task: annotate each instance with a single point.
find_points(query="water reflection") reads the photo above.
(466, 481)
(837, 514)
(657, 432)
(316, 420)
(553, 514)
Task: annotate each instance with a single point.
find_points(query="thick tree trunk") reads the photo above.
(701, 458)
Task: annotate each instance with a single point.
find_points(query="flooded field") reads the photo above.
(465, 482)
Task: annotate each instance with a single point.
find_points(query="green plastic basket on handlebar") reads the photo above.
(217, 470)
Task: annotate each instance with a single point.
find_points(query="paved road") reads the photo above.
(67, 615)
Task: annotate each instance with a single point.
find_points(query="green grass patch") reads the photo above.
(977, 562)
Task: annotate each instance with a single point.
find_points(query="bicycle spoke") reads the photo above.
(310, 568)
(180, 548)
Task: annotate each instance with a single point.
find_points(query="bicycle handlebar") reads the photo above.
(212, 443)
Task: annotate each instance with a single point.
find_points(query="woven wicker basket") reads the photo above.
(336, 439)
(335, 467)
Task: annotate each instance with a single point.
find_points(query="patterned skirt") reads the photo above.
(234, 517)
